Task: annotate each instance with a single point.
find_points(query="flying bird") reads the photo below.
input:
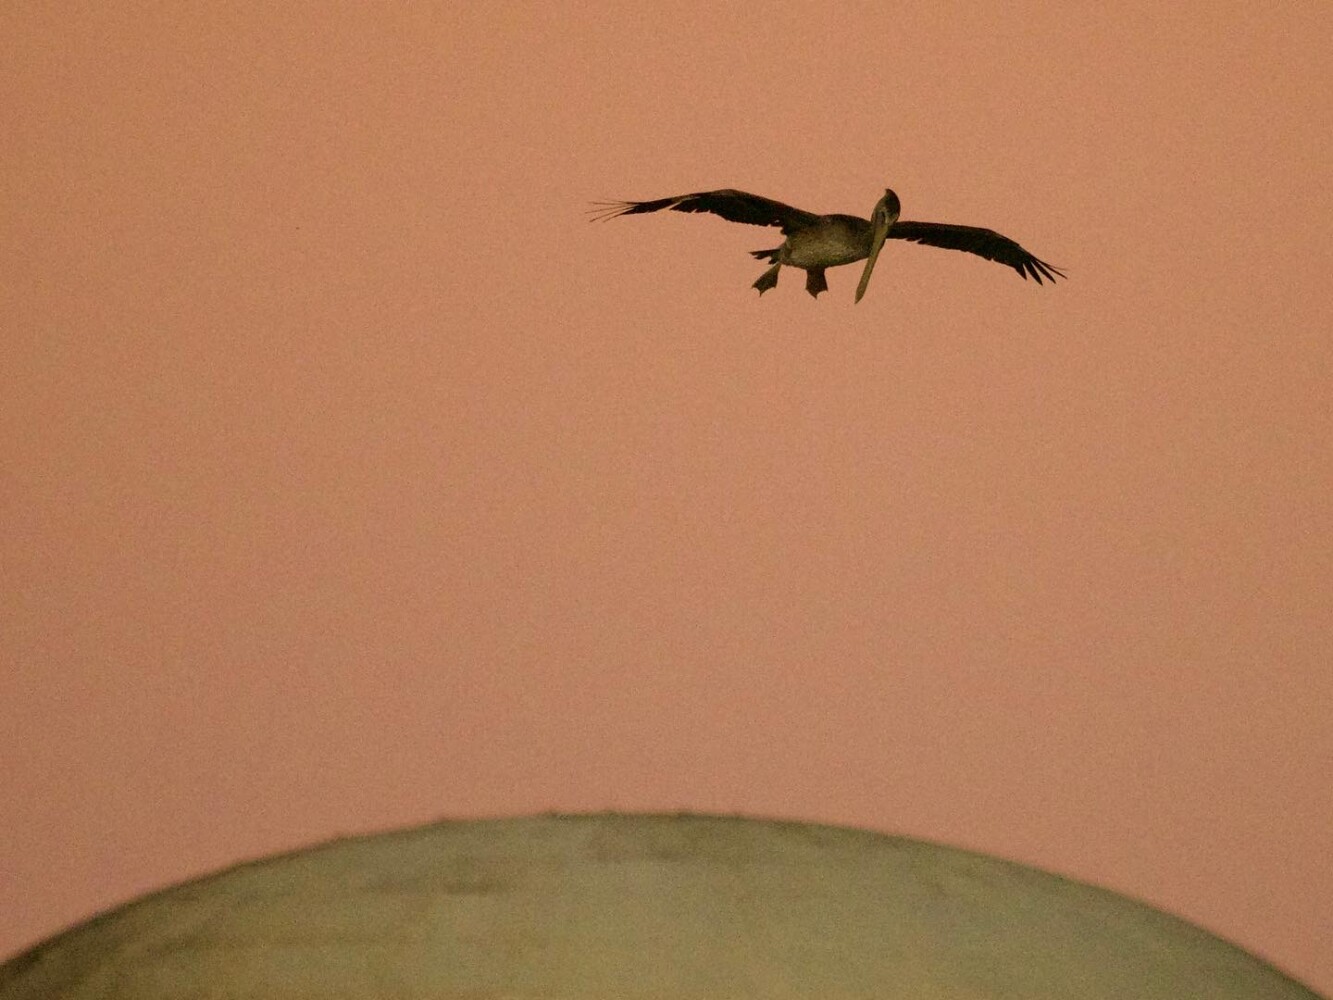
(815, 242)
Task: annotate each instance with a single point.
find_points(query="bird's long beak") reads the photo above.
(883, 223)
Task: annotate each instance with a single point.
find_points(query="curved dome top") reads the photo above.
(638, 906)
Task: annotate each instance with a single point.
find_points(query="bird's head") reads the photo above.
(881, 221)
(886, 210)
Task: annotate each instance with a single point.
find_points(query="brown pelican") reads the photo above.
(815, 242)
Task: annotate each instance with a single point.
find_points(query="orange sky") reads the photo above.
(352, 479)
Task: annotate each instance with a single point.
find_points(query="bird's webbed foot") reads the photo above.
(815, 282)
(767, 280)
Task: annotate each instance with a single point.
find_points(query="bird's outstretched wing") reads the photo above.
(982, 242)
(734, 206)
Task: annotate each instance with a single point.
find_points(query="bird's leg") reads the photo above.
(814, 281)
(767, 280)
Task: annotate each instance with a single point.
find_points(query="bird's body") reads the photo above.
(815, 242)
(831, 242)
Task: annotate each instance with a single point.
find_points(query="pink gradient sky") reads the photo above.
(351, 479)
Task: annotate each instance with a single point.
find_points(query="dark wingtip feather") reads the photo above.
(603, 210)
(1039, 269)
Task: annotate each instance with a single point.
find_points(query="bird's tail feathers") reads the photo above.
(769, 255)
